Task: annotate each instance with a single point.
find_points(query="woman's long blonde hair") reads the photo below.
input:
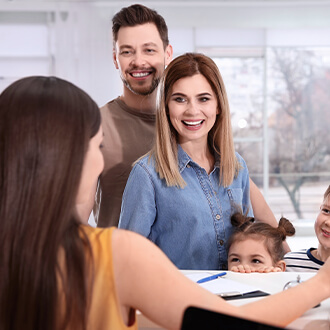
(220, 137)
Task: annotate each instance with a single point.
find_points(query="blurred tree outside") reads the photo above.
(299, 139)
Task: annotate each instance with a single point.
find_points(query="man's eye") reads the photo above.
(125, 52)
(150, 50)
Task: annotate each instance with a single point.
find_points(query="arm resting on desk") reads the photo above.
(146, 280)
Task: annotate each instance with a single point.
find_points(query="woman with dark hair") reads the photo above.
(57, 272)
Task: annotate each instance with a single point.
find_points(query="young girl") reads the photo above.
(256, 246)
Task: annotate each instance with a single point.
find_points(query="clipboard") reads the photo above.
(252, 294)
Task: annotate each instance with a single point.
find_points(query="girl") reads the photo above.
(257, 246)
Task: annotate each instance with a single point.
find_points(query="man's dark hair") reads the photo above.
(137, 15)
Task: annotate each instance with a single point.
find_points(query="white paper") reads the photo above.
(221, 285)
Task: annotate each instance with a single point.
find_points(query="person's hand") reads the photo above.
(259, 269)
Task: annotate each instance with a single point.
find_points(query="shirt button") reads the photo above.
(188, 166)
(217, 216)
(223, 267)
(221, 242)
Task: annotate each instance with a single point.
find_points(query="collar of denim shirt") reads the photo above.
(184, 159)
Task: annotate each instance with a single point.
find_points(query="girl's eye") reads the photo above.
(256, 261)
(234, 260)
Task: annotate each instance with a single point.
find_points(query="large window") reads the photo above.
(280, 99)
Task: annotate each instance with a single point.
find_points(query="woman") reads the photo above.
(192, 180)
(59, 273)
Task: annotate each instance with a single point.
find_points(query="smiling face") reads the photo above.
(140, 56)
(249, 252)
(192, 108)
(322, 225)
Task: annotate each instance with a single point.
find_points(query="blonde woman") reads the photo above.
(182, 194)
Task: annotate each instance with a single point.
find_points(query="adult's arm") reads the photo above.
(262, 211)
(146, 280)
(138, 208)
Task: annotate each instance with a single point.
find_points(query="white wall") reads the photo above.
(79, 33)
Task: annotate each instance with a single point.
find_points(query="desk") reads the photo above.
(315, 319)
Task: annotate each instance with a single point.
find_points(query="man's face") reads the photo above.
(140, 57)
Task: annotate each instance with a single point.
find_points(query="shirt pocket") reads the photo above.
(235, 196)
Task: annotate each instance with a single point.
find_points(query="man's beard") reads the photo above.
(144, 90)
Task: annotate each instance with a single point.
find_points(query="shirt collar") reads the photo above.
(184, 159)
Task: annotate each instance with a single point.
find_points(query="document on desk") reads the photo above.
(227, 288)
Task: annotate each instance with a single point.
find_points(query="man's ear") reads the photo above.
(281, 264)
(168, 54)
(114, 58)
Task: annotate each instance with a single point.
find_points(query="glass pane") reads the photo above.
(299, 121)
(243, 78)
(253, 155)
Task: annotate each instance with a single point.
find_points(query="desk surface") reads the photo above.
(314, 319)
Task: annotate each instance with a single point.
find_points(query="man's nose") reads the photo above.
(138, 60)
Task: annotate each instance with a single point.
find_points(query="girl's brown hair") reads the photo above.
(246, 227)
(45, 127)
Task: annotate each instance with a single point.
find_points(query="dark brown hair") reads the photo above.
(138, 15)
(45, 127)
(247, 227)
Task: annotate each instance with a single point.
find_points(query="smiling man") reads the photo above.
(141, 51)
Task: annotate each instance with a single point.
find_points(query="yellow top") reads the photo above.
(104, 311)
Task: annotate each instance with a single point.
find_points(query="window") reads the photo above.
(279, 99)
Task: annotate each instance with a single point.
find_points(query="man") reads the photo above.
(141, 51)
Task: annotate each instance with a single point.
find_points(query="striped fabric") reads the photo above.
(302, 261)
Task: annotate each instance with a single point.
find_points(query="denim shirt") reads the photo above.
(191, 225)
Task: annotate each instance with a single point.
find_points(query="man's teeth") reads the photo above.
(140, 74)
(193, 123)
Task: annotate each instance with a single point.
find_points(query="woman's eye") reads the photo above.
(179, 99)
(204, 99)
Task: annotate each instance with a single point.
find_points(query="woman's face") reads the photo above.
(192, 108)
(92, 168)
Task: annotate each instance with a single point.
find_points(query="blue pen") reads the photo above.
(210, 278)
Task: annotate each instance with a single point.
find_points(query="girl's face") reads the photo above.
(192, 108)
(249, 252)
